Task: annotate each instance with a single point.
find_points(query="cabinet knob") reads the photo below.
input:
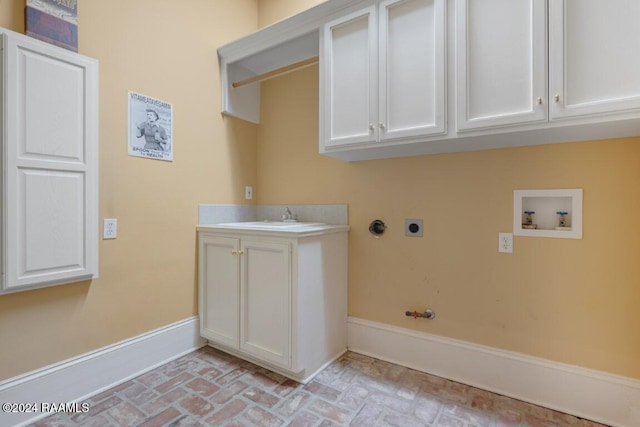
(556, 98)
(371, 127)
(240, 252)
(234, 252)
(539, 100)
(381, 125)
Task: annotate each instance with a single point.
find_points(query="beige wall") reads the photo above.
(167, 50)
(271, 11)
(12, 15)
(572, 301)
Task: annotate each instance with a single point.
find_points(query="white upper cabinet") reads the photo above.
(595, 57)
(383, 73)
(50, 172)
(412, 68)
(501, 62)
(349, 87)
(409, 77)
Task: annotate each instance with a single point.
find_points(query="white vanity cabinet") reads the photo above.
(246, 294)
(276, 298)
(49, 175)
(382, 75)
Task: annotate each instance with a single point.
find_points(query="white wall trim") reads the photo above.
(78, 378)
(585, 393)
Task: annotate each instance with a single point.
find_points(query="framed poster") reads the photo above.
(150, 127)
(53, 21)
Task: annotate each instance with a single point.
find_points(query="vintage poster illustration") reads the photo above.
(53, 21)
(150, 127)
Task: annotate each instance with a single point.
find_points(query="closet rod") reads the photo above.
(277, 72)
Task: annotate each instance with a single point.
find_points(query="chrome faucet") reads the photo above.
(287, 214)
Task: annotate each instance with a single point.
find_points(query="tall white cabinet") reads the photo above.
(383, 73)
(49, 133)
(276, 298)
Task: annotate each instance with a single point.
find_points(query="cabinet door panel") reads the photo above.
(349, 79)
(265, 301)
(50, 229)
(219, 289)
(501, 62)
(59, 115)
(595, 63)
(412, 64)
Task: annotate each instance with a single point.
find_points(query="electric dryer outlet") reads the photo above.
(413, 227)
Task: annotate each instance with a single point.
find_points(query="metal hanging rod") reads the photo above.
(277, 72)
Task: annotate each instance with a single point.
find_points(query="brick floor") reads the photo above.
(211, 388)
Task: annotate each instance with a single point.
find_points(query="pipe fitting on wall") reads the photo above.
(428, 314)
(377, 227)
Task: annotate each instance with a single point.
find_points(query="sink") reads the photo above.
(270, 224)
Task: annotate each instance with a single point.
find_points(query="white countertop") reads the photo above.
(292, 229)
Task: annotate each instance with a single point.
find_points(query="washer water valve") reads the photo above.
(562, 220)
(428, 314)
(528, 221)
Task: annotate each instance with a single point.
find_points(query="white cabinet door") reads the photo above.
(348, 79)
(383, 73)
(595, 59)
(219, 293)
(501, 62)
(50, 218)
(265, 295)
(411, 68)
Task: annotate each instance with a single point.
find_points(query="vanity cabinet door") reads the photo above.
(219, 293)
(265, 295)
(594, 61)
(501, 64)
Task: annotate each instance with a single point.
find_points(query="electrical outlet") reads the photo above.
(505, 243)
(413, 227)
(248, 192)
(110, 228)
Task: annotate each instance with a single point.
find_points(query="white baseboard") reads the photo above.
(594, 395)
(81, 377)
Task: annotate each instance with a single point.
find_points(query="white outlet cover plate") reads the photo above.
(505, 243)
(110, 228)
